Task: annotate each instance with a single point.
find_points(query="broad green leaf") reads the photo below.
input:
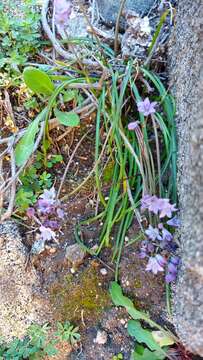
(26, 144)
(162, 339)
(67, 118)
(142, 335)
(147, 355)
(38, 81)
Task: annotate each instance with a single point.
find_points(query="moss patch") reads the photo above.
(81, 297)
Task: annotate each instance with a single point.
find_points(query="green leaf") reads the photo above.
(38, 81)
(67, 118)
(142, 335)
(117, 296)
(120, 300)
(26, 144)
(148, 355)
(69, 95)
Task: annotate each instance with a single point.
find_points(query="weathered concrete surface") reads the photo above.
(21, 299)
(186, 68)
(109, 8)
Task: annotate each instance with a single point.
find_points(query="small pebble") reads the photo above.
(103, 271)
(101, 337)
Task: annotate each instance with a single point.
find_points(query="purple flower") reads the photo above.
(155, 205)
(175, 222)
(45, 206)
(155, 264)
(153, 233)
(166, 235)
(60, 213)
(63, 10)
(53, 224)
(166, 209)
(47, 233)
(133, 125)
(172, 268)
(47, 201)
(49, 195)
(146, 107)
(170, 277)
(175, 260)
(30, 212)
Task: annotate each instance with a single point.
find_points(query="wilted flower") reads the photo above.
(30, 212)
(133, 125)
(146, 107)
(175, 222)
(153, 233)
(155, 264)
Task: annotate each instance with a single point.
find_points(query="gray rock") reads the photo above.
(75, 255)
(21, 300)
(186, 73)
(109, 8)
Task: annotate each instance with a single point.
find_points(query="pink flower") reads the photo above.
(146, 107)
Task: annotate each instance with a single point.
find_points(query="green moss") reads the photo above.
(81, 297)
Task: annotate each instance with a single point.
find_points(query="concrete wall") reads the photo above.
(186, 73)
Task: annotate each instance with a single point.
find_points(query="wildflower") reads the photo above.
(172, 269)
(170, 277)
(166, 235)
(46, 203)
(47, 233)
(175, 260)
(146, 107)
(63, 11)
(175, 222)
(153, 233)
(49, 195)
(155, 264)
(166, 209)
(155, 205)
(53, 224)
(133, 125)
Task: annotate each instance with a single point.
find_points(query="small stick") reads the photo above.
(122, 4)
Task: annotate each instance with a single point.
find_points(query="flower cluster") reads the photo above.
(159, 243)
(47, 214)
